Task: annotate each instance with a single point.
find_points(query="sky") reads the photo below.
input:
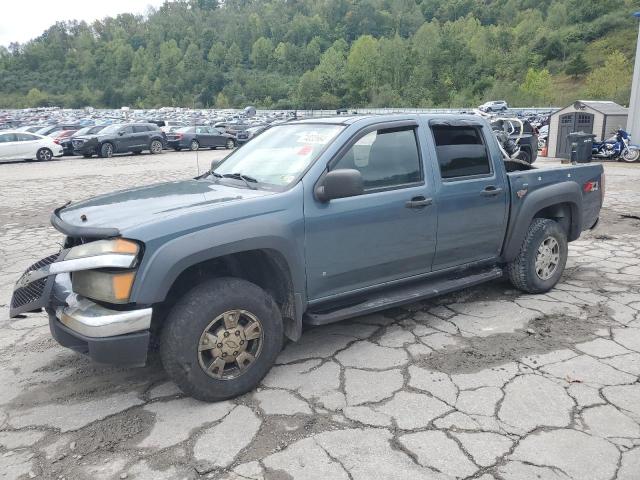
(21, 21)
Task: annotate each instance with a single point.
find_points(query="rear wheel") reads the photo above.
(230, 144)
(106, 150)
(155, 147)
(44, 155)
(542, 257)
(221, 339)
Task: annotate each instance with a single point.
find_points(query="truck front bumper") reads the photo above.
(105, 335)
(129, 349)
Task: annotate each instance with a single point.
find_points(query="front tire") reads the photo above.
(230, 144)
(630, 156)
(542, 257)
(44, 155)
(106, 150)
(194, 145)
(221, 338)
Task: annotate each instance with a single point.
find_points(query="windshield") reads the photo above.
(280, 154)
(111, 128)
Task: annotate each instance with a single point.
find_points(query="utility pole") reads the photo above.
(633, 120)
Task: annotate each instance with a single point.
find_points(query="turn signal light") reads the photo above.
(591, 186)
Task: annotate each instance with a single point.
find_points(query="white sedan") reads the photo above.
(15, 145)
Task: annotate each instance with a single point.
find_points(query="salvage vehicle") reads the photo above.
(494, 106)
(198, 137)
(120, 138)
(312, 222)
(16, 145)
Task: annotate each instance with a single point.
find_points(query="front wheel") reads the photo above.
(542, 257)
(230, 144)
(194, 145)
(221, 339)
(630, 155)
(155, 147)
(44, 155)
(106, 151)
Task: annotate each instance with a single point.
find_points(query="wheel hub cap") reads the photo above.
(547, 258)
(230, 344)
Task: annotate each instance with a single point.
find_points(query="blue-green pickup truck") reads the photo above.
(312, 222)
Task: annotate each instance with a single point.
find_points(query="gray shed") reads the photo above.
(589, 116)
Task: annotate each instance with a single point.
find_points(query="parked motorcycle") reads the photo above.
(617, 147)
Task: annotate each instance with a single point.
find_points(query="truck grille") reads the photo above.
(32, 292)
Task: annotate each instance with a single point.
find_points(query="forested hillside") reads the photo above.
(331, 53)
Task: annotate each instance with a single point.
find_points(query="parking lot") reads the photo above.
(487, 383)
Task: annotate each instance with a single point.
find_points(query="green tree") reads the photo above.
(537, 86)
(612, 81)
(262, 53)
(577, 66)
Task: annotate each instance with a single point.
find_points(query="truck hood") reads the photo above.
(138, 206)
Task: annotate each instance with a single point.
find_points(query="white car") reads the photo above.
(16, 145)
(494, 106)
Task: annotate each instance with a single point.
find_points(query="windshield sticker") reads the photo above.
(306, 150)
(316, 137)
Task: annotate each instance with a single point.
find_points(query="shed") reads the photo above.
(589, 116)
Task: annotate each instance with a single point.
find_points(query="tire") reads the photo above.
(525, 156)
(230, 144)
(155, 147)
(198, 312)
(523, 271)
(194, 145)
(106, 150)
(44, 155)
(630, 156)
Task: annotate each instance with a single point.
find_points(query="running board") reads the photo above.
(400, 295)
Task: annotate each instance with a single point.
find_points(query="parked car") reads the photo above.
(67, 143)
(194, 138)
(49, 129)
(494, 106)
(249, 133)
(311, 223)
(120, 138)
(29, 128)
(27, 146)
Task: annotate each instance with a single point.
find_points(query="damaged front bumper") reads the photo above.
(105, 335)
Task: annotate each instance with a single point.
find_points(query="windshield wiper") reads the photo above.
(239, 176)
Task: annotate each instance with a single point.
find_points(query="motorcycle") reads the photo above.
(617, 147)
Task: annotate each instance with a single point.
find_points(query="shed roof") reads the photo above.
(605, 107)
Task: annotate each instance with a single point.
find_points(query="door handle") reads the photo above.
(490, 191)
(418, 202)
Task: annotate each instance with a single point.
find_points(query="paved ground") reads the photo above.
(487, 383)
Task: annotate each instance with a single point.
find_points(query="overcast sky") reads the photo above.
(26, 19)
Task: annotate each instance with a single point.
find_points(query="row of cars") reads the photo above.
(44, 143)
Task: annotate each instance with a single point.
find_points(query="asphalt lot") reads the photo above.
(487, 383)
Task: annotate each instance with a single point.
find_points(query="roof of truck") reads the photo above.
(350, 119)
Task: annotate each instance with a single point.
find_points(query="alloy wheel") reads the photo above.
(230, 344)
(547, 258)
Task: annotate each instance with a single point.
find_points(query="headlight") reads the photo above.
(104, 269)
(111, 287)
(103, 247)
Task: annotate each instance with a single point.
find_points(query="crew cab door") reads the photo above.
(472, 195)
(125, 140)
(385, 234)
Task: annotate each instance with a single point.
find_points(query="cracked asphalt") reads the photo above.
(487, 383)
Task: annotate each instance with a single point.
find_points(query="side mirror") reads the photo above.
(215, 163)
(340, 183)
(121, 132)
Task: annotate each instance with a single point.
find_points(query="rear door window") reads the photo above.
(461, 151)
(140, 128)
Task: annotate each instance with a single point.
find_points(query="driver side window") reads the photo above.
(386, 158)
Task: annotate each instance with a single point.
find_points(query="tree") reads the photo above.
(222, 101)
(537, 86)
(612, 81)
(577, 66)
(262, 53)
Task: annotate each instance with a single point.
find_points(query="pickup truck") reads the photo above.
(312, 222)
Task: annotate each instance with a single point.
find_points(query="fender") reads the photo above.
(158, 272)
(521, 216)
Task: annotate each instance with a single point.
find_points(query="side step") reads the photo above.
(400, 295)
